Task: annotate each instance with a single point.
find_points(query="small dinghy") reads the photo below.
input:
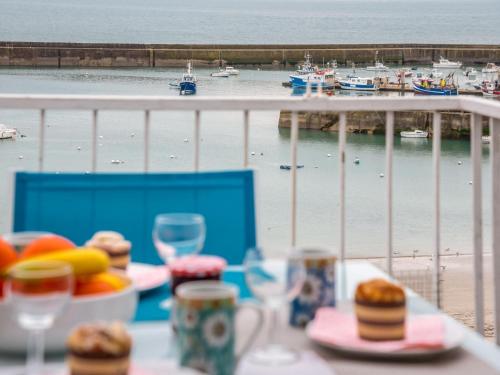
(288, 167)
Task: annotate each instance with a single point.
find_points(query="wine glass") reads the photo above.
(38, 291)
(274, 282)
(178, 234)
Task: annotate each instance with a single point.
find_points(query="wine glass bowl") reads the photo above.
(178, 234)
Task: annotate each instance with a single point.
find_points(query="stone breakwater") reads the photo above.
(279, 56)
(454, 125)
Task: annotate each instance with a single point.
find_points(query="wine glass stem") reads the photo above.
(272, 339)
(36, 349)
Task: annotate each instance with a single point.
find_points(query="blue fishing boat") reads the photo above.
(427, 86)
(324, 79)
(187, 86)
(359, 83)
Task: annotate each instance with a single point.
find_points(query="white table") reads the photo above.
(155, 341)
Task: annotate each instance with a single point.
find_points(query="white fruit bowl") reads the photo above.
(106, 307)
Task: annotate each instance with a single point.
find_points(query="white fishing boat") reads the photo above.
(359, 83)
(7, 133)
(379, 67)
(491, 88)
(491, 68)
(232, 71)
(471, 74)
(307, 67)
(220, 73)
(445, 63)
(414, 134)
(486, 139)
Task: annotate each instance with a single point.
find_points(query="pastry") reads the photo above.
(99, 349)
(114, 245)
(380, 310)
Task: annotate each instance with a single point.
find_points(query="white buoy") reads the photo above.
(78, 148)
(356, 161)
(186, 140)
(329, 155)
(470, 182)
(132, 135)
(252, 153)
(381, 175)
(459, 162)
(172, 156)
(101, 137)
(20, 156)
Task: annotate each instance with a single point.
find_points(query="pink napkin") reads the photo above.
(340, 329)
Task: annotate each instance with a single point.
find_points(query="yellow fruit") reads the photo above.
(84, 261)
(113, 280)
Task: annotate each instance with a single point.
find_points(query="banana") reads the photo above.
(84, 261)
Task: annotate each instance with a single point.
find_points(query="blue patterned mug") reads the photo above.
(319, 286)
(205, 315)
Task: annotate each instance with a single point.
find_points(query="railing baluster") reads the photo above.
(389, 146)
(41, 144)
(495, 225)
(477, 208)
(147, 120)
(293, 150)
(94, 141)
(342, 142)
(246, 123)
(197, 141)
(342, 138)
(436, 156)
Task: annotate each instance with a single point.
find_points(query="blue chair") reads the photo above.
(76, 205)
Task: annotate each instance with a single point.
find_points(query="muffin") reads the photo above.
(99, 349)
(380, 310)
(114, 245)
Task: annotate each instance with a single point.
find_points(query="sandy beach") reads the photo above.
(457, 277)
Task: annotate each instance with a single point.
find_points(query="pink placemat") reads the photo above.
(331, 326)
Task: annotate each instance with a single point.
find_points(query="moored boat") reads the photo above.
(491, 88)
(323, 79)
(414, 134)
(7, 133)
(187, 86)
(445, 63)
(232, 71)
(427, 86)
(486, 139)
(358, 83)
(471, 74)
(220, 73)
(490, 68)
(379, 67)
(307, 67)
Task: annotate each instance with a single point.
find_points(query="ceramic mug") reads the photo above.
(319, 286)
(205, 316)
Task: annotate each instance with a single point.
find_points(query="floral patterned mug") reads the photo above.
(319, 286)
(205, 315)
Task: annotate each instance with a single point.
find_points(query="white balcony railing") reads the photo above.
(478, 107)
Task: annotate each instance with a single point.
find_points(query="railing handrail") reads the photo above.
(483, 107)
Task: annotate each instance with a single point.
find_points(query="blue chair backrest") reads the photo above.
(76, 205)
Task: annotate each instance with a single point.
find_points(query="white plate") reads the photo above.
(146, 276)
(453, 340)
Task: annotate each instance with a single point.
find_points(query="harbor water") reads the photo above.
(121, 138)
(251, 21)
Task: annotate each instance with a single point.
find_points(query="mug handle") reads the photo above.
(255, 331)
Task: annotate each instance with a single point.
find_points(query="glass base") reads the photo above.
(274, 355)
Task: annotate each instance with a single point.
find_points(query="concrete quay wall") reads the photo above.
(454, 125)
(172, 55)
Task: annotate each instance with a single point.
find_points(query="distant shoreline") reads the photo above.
(59, 54)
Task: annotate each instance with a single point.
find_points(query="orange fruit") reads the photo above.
(8, 254)
(46, 244)
(95, 284)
